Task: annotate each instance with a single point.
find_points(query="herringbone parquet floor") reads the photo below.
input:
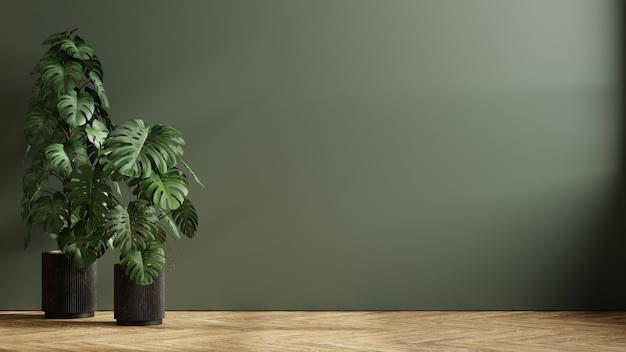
(323, 331)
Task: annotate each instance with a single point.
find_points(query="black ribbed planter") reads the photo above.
(135, 304)
(67, 291)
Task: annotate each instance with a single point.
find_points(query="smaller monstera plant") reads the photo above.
(92, 184)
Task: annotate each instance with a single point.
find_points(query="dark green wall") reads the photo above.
(358, 154)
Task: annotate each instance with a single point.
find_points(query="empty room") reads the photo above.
(332, 175)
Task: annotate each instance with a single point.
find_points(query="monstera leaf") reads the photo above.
(161, 235)
(42, 97)
(34, 177)
(60, 76)
(50, 213)
(97, 133)
(94, 65)
(53, 38)
(62, 158)
(77, 48)
(132, 227)
(77, 245)
(142, 266)
(76, 109)
(39, 126)
(134, 149)
(97, 83)
(89, 192)
(186, 218)
(32, 181)
(167, 191)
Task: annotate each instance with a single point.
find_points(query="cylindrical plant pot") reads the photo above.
(138, 305)
(67, 291)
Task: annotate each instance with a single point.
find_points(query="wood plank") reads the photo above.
(322, 331)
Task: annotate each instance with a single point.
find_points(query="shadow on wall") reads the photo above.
(606, 288)
(606, 284)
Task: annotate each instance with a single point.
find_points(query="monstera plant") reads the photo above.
(93, 184)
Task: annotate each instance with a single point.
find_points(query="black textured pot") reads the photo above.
(67, 291)
(135, 304)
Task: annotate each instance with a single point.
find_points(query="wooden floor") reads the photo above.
(322, 331)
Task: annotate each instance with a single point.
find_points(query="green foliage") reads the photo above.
(161, 235)
(170, 224)
(94, 65)
(56, 37)
(71, 205)
(134, 149)
(50, 212)
(142, 266)
(97, 82)
(34, 178)
(186, 218)
(77, 48)
(39, 126)
(79, 245)
(89, 192)
(132, 227)
(62, 158)
(80, 155)
(76, 109)
(60, 76)
(97, 133)
(167, 191)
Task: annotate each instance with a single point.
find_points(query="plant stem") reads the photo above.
(84, 85)
(67, 134)
(69, 215)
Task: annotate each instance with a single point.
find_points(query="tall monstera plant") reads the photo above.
(80, 161)
(66, 192)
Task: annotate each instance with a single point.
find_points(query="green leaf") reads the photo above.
(79, 135)
(77, 48)
(58, 36)
(94, 65)
(58, 160)
(62, 158)
(42, 97)
(89, 192)
(134, 149)
(25, 207)
(59, 76)
(132, 227)
(76, 243)
(97, 82)
(39, 126)
(161, 235)
(191, 171)
(98, 242)
(142, 266)
(34, 178)
(50, 213)
(76, 109)
(97, 133)
(104, 115)
(186, 218)
(170, 223)
(167, 191)
(117, 187)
